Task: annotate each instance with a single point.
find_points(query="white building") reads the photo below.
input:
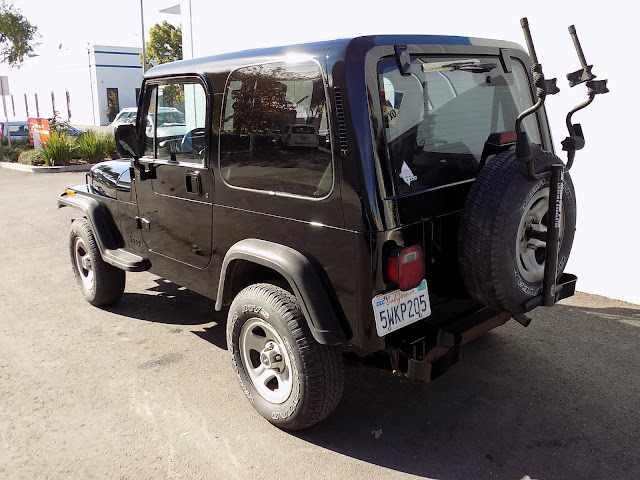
(75, 83)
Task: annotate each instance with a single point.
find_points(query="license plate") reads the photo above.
(398, 309)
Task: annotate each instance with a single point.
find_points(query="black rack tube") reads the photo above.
(524, 23)
(578, 47)
(554, 217)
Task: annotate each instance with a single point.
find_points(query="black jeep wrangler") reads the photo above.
(410, 216)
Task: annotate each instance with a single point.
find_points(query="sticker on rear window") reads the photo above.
(406, 174)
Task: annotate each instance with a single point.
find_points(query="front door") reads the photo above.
(175, 194)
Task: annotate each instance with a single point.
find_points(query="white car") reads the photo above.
(126, 115)
(300, 135)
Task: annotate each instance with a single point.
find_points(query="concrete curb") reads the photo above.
(31, 169)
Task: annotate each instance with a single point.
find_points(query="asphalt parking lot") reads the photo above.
(144, 389)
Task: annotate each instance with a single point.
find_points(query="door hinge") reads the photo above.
(142, 223)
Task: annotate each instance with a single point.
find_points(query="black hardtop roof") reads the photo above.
(317, 50)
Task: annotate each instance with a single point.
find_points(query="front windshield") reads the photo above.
(438, 117)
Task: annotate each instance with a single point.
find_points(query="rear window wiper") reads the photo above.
(473, 66)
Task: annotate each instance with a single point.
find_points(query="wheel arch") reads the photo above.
(253, 260)
(108, 236)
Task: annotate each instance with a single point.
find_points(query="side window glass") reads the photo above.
(274, 134)
(149, 146)
(176, 122)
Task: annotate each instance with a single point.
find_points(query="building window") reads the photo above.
(68, 105)
(274, 132)
(113, 103)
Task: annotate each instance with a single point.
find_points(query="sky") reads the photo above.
(67, 24)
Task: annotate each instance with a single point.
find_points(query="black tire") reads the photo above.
(302, 382)
(500, 267)
(102, 284)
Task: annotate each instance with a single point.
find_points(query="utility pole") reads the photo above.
(144, 46)
(4, 90)
(93, 105)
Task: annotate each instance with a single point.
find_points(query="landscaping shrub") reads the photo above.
(110, 146)
(94, 147)
(30, 157)
(59, 149)
(11, 154)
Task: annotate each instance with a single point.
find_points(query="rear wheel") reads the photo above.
(289, 378)
(101, 284)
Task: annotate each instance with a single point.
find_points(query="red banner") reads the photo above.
(39, 126)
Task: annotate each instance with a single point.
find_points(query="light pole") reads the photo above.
(144, 46)
(93, 104)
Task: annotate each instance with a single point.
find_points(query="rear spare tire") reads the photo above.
(502, 268)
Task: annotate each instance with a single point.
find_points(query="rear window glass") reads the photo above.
(274, 135)
(438, 117)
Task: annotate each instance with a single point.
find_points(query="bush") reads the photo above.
(30, 157)
(110, 146)
(59, 149)
(94, 147)
(11, 154)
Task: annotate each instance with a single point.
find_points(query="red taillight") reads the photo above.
(508, 137)
(405, 266)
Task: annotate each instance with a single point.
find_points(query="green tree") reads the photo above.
(164, 45)
(260, 103)
(17, 35)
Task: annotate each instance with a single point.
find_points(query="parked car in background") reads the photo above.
(66, 127)
(300, 136)
(126, 115)
(18, 130)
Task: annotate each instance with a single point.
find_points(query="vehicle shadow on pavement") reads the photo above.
(168, 303)
(171, 304)
(557, 400)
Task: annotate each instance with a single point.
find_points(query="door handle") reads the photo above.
(193, 183)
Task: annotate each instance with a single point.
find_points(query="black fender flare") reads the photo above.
(323, 320)
(107, 234)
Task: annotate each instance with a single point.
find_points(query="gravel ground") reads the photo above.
(145, 390)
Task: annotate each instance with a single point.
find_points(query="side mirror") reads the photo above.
(126, 141)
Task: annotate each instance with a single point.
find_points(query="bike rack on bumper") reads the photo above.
(428, 357)
(554, 289)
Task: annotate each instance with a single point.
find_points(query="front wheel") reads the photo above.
(102, 284)
(289, 378)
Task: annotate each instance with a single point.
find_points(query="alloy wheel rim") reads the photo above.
(266, 360)
(83, 262)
